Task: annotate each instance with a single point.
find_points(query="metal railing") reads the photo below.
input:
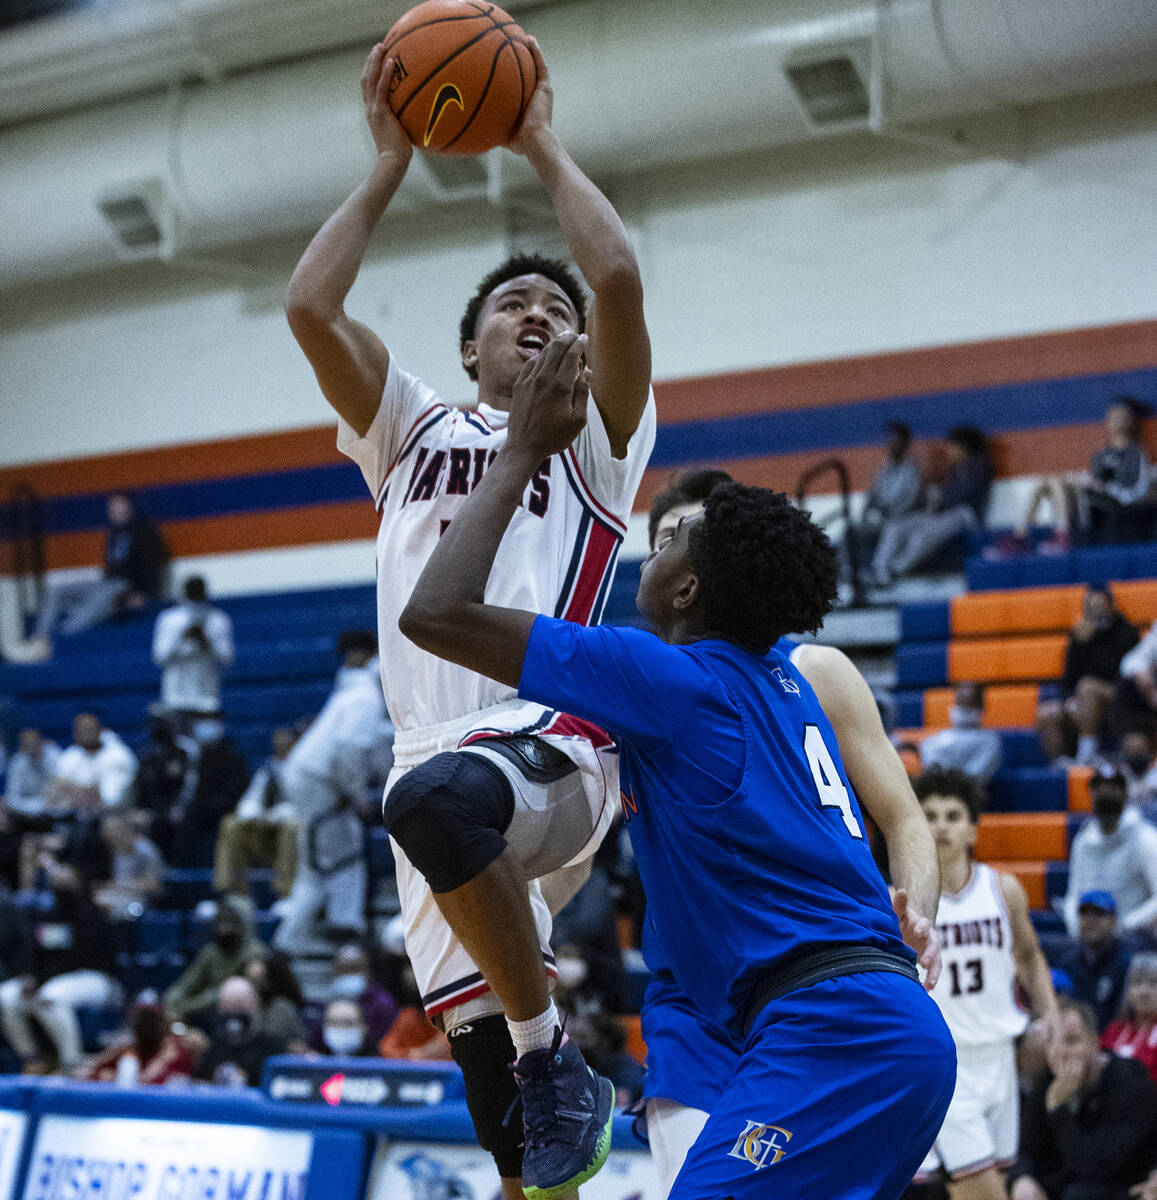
(858, 597)
(25, 530)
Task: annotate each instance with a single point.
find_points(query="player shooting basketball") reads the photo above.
(490, 791)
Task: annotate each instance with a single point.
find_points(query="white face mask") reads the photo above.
(571, 971)
(341, 1039)
(964, 718)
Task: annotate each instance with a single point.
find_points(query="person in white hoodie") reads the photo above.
(326, 780)
(96, 771)
(192, 644)
(1115, 852)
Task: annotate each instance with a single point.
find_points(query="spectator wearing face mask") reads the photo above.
(238, 1045)
(195, 994)
(353, 981)
(282, 1000)
(1097, 960)
(1071, 723)
(965, 746)
(192, 644)
(343, 1030)
(1115, 852)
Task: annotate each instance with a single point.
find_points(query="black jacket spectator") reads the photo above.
(65, 931)
(1099, 654)
(1097, 1147)
(136, 553)
(1097, 974)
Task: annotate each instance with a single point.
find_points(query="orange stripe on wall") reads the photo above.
(183, 463)
(912, 372)
(321, 523)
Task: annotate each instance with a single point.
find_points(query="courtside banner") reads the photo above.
(421, 1170)
(12, 1128)
(128, 1158)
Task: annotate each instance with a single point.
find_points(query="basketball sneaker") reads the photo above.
(566, 1116)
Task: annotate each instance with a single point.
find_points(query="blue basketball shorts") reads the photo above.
(838, 1095)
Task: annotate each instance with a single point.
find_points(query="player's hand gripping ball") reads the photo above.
(463, 75)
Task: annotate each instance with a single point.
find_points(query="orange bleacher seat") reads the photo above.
(1080, 796)
(1006, 706)
(1031, 874)
(1013, 836)
(1023, 610)
(990, 660)
(1137, 599)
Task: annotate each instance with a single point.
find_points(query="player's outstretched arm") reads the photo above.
(349, 360)
(1032, 968)
(881, 784)
(619, 353)
(447, 613)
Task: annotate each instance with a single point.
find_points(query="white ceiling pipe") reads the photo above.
(638, 84)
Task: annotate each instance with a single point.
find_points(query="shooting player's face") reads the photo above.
(515, 324)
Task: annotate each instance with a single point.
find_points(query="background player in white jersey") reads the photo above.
(988, 946)
(690, 1060)
(535, 789)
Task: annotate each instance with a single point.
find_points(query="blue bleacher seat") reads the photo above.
(1028, 789)
(925, 622)
(1056, 880)
(921, 665)
(909, 708)
(158, 931)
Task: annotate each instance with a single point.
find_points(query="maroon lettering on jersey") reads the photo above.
(419, 459)
(539, 500)
(458, 481)
(479, 466)
(423, 489)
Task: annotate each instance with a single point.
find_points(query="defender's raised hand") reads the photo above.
(549, 402)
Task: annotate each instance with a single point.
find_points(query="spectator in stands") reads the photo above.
(239, 1044)
(964, 745)
(1137, 686)
(135, 556)
(894, 493)
(222, 777)
(1114, 499)
(1135, 1034)
(151, 1052)
(234, 944)
(95, 772)
(1089, 1126)
(262, 831)
(951, 508)
(327, 779)
(66, 961)
(281, 997)
(1135, 758)
(1073, 721)
(166, 776)
(1115, 852)
(343, 1031)
(1097, 959)
(353, 980)
(412, 1035)
(136, 869)
(192, 644)
(30, 774)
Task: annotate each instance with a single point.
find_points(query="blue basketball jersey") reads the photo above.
(748, 838)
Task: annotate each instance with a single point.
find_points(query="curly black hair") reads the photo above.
(945, 781)
(689, 488)
(521, 264)
(765, 568)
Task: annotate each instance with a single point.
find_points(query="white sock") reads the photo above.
(1087, 748)
(535, 1034)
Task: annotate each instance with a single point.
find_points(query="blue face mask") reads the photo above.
(964, 718)
(347, 987)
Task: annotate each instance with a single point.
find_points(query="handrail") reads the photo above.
(858, 598)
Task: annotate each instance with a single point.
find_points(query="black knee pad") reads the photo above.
(483, 1050)
(449, 815)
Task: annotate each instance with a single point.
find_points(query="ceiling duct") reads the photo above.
(637, 84)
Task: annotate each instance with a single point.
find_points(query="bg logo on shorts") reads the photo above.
(757, 1141)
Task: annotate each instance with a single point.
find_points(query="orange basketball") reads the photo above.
(462, 76)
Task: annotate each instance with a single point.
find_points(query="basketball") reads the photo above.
(462, 76)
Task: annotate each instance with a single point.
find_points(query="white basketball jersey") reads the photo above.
(976, 989)
(421, 459)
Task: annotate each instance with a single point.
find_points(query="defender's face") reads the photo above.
(665, 570)
(951, 825)
(517, 321)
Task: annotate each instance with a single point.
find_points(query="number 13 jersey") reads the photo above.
(977, 986)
